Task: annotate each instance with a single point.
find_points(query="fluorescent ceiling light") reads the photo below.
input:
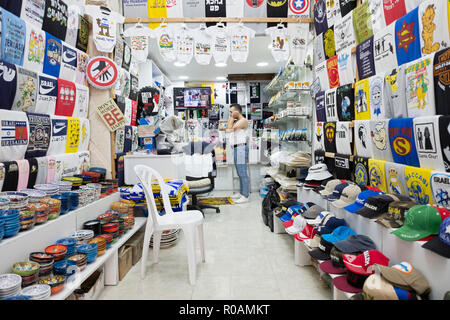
(221, 78)
(221, 65)
(183, 77)
(179, 64)
(262, 64)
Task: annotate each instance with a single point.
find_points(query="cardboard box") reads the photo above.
(91, 288)
(125, 261)
(136, 243)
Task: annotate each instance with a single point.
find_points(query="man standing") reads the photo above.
(237, 127)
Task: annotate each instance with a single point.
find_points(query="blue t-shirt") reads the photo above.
(407, 37)
(320, 107)
(53, 54)
(403, 146)
(8, 84)
(13, 38)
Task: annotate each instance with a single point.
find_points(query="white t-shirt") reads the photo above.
(81, 109)
(165, 38)
(235, 8)
(240, 42)
(14, 129)
(184, 43)
(33, 12)
(203, 42)
(69, 63)
(377, 15)
(73, 17)
(84, 161)
(322, 74)
(385, 55)
(104, 27)
(221, 43)
(298, 39)
(319, 137)
(344, 36)
(379, 136)
(333, 12)
(47, 94)
(33, 58)
(362, 138)
(330, 105)
(82, 61)
(376, 96)
(139, 42)
(58, 138)
(428, 142)
(280, 43)
(174, 8)
(345, 67)
(344, 137)
(319, 52)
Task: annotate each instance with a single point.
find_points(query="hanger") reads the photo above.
(220, 24)
(280, 24)
(163, 23)
(139, 24)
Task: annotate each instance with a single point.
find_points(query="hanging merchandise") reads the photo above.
(118, 52)
(126, 61)
(85, 133)
(240, 37)
(299, 39)
(134, 87)
(361, 171)
(433, 26)
(365, 59)
(53, 56)
(111, 115)
(379, 136)
(55, 18)
(407, 43)
(441, 73)
(393, 10)
(84, 161)
(299, 9)
(203, 42)
(42, 170)
(276, 9)
(102, 72)
(345, 66)
(135, 142)
(33, 165)
(255, 9)
(174, 8)
(165, 37)
(329, 130)
(362, 101)
(39, 135)
(156, 9)
(73, 14)
(81, 109)
(333, 12)
(376, 94)
(320, 107)
(362, 24)
(26, 93)
(395, 178)
(439, 188)
(80, 72)
(65, 103)
(8, 84)
(345, 102)
(83, 34)
(24, 171)
(377, 15)
(13, 38)
(280, 42)
(14, 135)
(221, 43)
(344, 36)
(73, 135)
(34, 52)
(328, 43)
(384, 50)
(344, 138)
(33, 12)
(330, 105)
(377, 176)
(255, 92)
(333, 73)
(11, 176)
(184, 44)
(344, 167)
(320, 17)
(346, 6)
(215, 9)
(362, 138)
(444, 135)
(428, 144)
(319, 52)
(395, 94)
(148, 102)
(47, 94)
(319, 138)
(322, 74)
(401, 137)
(69, 63)
(418, 184)
(104, 26)
(193, 9)
(139, 41)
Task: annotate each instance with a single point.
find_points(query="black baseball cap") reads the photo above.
(313, 212)
(323, 252)
(396, 214)
(355, 243)
(375, 206)
(330, 225)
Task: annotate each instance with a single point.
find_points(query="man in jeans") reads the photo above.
(237, 127)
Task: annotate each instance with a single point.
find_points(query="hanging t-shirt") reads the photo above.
(441, 73)
(345, 102)
(134, 87)
(126, 83)
(319, 52)
(14, 135)
(395, 94)
(407, 38)
(55, 18)
(156, 9)
(104, 26)
(276, 9)
(344, 138)
(330, 105)
(65, 103)
(73, 14)
(319, 137)
(135, 143)
(428, 144)
(85, 134)
(419, 87)
(377, 176)
(376, 87)
(83, 34)
(33, 12)
(26, 93)
(328, 43)
(165, 38)
(118, 52)
(362, 23)
(24, 171)
(42, 170)
(433, 26)
(330, 136)
(174, 8)
(384, 50)
(202, 46)
(333, 73)
(11, 177)
(403, 146)
(322, 74)
(127, 110)
(343, 166)
(70, 164)
(53, 55)
(346, 6)
(134, 106)
(8, 84)
(345, 67)
(13, 38)
(255, 9)
(34, 49)
(298, 9)
(69, 63)
(47, 94)
(395, 178)
(39, 135)
(126, 62)
(120, 140)
(33, 171)
(139, 42)
(215, 9)
(84, 161)
(320, 16)
(240, 36)
(377, 15)
(128, 139)
(362, 138)
(298, 38)
(280, 43)
(81, 109)
(194, 9)
(51, 169)
(221, 43)
(362, 100)
(418, 184)
(321, 115)
(344, 37)
(58, 139)
(440, 185)
(393, 10)
(365, 59)
(73, 135)
(184, 44)
(333, 12)
(59, 167)
(361, 171)
(80, 73)
(379, 136)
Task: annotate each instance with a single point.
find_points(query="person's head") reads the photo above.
(235, 108)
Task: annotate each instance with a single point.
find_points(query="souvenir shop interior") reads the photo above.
(225, 150)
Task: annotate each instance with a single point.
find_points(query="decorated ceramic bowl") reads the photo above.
(26, 268)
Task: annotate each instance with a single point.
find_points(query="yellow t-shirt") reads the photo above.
(418, 184)
(377, 174)
(73, 135)
(362, 101)
(156, 9)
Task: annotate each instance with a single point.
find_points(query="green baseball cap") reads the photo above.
(421, 221)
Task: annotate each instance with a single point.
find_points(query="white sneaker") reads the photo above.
(235, 196)
(242, 199)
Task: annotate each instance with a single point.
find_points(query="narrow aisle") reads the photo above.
(244, 260)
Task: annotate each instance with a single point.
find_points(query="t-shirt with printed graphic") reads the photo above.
(39, 135)
(344, 166)
(328, 43)
(332, 71)
(26, 93)
(379, 136)
(47, 94)
(362, 23)
(384, 50)
(345, 101)
(361, 170)
(81, 109)
(126, 62)
(73, 135)
(203, 42)
(58, 138)
(344, 37)
(362, 100)
(33, 166)
(42, 170)
(418, 184)
(330, 105)
(407, 38)
(345, 67)
(139, 42)
(120, 140)
(377, 176)
(80, 73)
(276, 9)
(8, 84)
(419, 87)
(240, 36)
(104, 26)
(53, 55)
(135, 143)
(13, 38)
(319, 52)
(59, 167)
(127, 111)
(85, 134)
(193, 9)
(34, 49)
(428, 142)
(319, 137)
(395, 178)
(401, 138)
(65, 103)
(254, 9)
(128, 139)
(73, 21)
(280, 43)
(322, 74)
(71, 164)
(184, 44)
(33, 12)
(214, 9)
(299, 9)
(362, 138)
(393, 10)
(395, 93)
(55, 18)
(165, 38)
(329, 130)
(344, 138)
(84, 161)
(69, 63)
(298, 38)
(134, 87)
(376, 94)
(83, 34)
(51, 168)
(346, 6)
(14, 135)
(441, 73)
(320, 16)
(365, 59)
(440, 184)
(221, 43)
(433, 26)
(174, 8)
(377, 15)
(321, 115)
(333, 12)
(118, 52)
(11, 176)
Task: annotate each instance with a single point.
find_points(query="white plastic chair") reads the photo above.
(190, 222)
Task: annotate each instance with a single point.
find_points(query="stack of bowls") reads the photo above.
(108, 238)
(97, 189)
(82, 197)
(93, 225)
(11, 218)
(112, 228)
(89, 192)
(10, 285)
(80, 259)
(73, 199)
(2, 226)
(102, 172)
(108, 216)
(54, 206)
(17, 297)
(58, 251)
(17, 200)
(130, 204)
(64, 200)
(64, 268)
(101, 245)
(38, 292)
(45, 261)
(4, 203)
(49, 189)
(115, 184)
(63, 186)
(34, 195)
(76, 182)
(27, 219)
(28, 270)
(41, 211)
(121, 223)
(83, 236)
(129, 222)
(95, 176)
(120, 207)
(86, 179)
(90, 250)
(70, 243)
(56, 283)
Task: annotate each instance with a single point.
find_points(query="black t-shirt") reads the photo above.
(120, 101)
(233, 93)
(120, 168)
(319, 156)
(134, 87)
(346, 6)
(320, 107)
(55, 18)
(8, 85)
(330, 165)
(329, 130)
(215, 8)
(148, 98)
(343, 166)
(361, 171)
(320, 17)
(345, 102)
(255, 92)
(34, 167)
(128, 141)
(441, 72)
(444, 132)
(39, 135)
(13, 6)
(83, 34)
(276, 9)
(11, 176)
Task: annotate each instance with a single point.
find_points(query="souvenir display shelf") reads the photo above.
(289, 73)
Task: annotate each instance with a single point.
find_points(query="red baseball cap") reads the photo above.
(373, 189)
(445, 213)
(288, 223)
(362, 264)
(308, 232)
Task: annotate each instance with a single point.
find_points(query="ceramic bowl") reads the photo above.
(41, 257)
(26, 268)
(56, 283)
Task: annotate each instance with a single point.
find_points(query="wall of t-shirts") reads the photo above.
(383, 112)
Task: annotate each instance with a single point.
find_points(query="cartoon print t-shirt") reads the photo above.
(362, 138)
(34, 49)
(345, 101)
(47, 94)
(428, 142)
(53, 55)
(379, 136)
(8, 84)
(55, 18)
(362, 100)
(280, 43)
(13, 38)
(203, 42)
(240, 36)
(395, 178)
(433, 26)
(26, 93)
(165, 38)
(376, 87)
(14, 130)
(65, 104)
(319, 136)
(403, 146)
(395, 93)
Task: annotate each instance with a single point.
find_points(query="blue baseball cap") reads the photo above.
(339, 234)
(290, 211)
(336, 195)
(361, 200)
(331, 225)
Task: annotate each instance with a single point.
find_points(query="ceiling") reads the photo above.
(259, 52)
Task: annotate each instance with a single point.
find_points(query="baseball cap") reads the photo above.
(321, 219)
(323, 250)
(395, 216)
(290, 211)
(441, 243)
(330, 225)
(338, 234)
(297, 226)
(377, 288)
(348, 196)
(360, 200)
(342, 284)
(337, 192)
(420, 222)
(303, 173)
(313, 212)
(335, 265)
(286, 204)
(308, 232)
(375, 206)
(355, 243)
(363, 263)
(318, 172)
(328, 267)
(404, 276)
(329, 188)
(314, 242)
(445, 213)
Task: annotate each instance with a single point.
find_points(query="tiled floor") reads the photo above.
(244, 260)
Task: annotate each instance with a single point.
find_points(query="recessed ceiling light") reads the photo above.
(221, 65)
(221, 78)
(262, 64)
(179, 64)
(183, 77)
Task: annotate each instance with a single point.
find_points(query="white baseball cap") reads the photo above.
(348, 196)
(329, 188)
(297, 226)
